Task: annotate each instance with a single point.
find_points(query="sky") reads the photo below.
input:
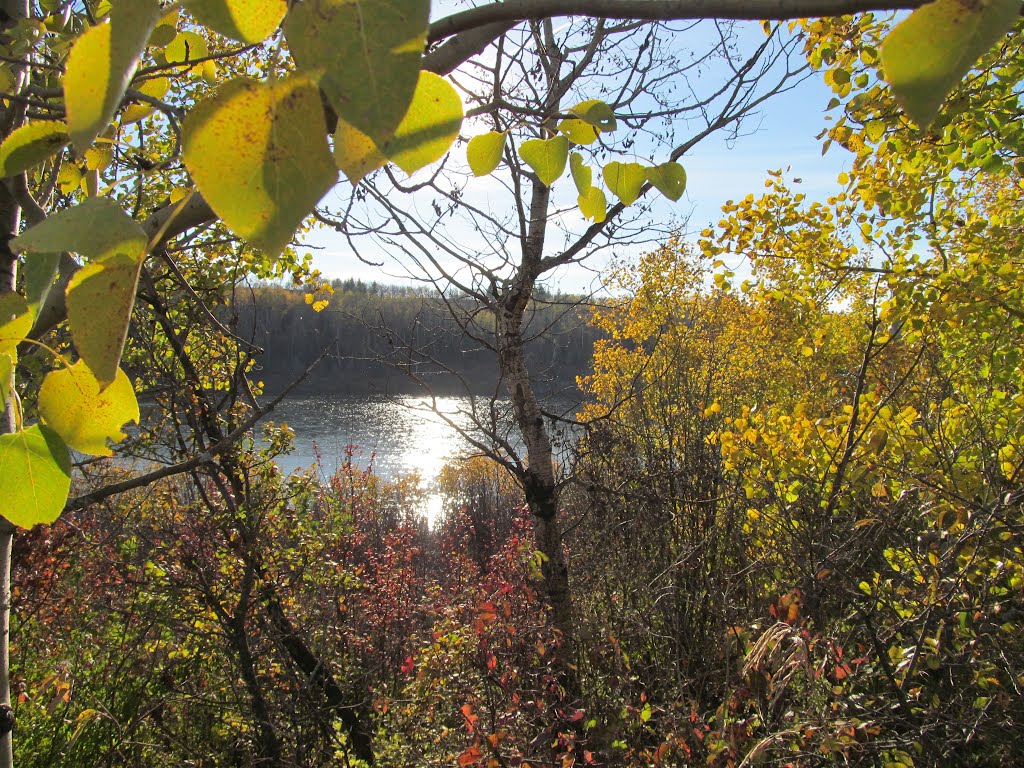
(781, 137)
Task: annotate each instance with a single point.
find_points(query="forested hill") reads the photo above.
(394, 339)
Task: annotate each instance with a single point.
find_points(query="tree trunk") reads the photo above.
(539, 484)
(11, 11)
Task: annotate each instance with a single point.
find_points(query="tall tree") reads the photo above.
(496, 249)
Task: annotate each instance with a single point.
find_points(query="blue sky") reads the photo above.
(782, 137)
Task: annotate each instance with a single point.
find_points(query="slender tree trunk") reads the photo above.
(8, 425)
(11, 11)
(539, 484)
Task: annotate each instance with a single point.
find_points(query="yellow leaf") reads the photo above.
(30, 145)
(258, 153)
(72, 404)
(101, 65)
(428, 128)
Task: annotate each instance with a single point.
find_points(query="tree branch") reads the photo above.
(656, 10)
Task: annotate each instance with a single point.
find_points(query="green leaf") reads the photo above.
(355, 153)
(368, 52)
(166, 29)
(581, 174)
(93, 229)
(669, 179)
(7, 362)
(625, 180)
(40, 270)
(547, 157)
(597, 113)
(593, 204)
(101, 65)
(186, 47)
(15, 321)
(484, 152)
(429, 128)
(926, 55)
(578, 131)
(71, 403)
(31, 145)
(100, 297)
(258, 153)
(35, 476)
(249, 21)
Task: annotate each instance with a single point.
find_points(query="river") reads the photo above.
(394, 435)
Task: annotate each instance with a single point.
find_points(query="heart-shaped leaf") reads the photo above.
(547, 157)
(581, 173)
(248, 21)
(15, 320)
(93, 229)
(30, 145)
(355, 153)
(597, 113)
(258, 153)
(35, 476)
(40, 270)
(669, 179)
(593, 204)
(157, 88)
(101, 65)
(369, 54)
(429, 128)
(579, 131)
(71, 403)
(625, 180)
(484, 152)
(100, 297)
(926, 54)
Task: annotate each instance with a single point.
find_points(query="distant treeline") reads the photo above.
(396, 339)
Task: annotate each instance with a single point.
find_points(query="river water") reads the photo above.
(396, 436)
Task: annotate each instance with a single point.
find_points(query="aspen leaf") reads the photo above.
(100, 297)
(430, 126)
(186, 47)
(39, 271)
(258, 154)
(368, 52)
(6, 375)
(93, 229)
(593, 204)
(484, 152)
(101, 65)
(71, 403)
(926, 54)
(166, 29)
(582, 175)
(355, 153)
(625, 180)
(669, 179)
(578, 131)
(15, 321)
(547, 157)
(157, 88)
(69, 177)
(248, 21)
(35, 476)
(597, 113)
(31, 145)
